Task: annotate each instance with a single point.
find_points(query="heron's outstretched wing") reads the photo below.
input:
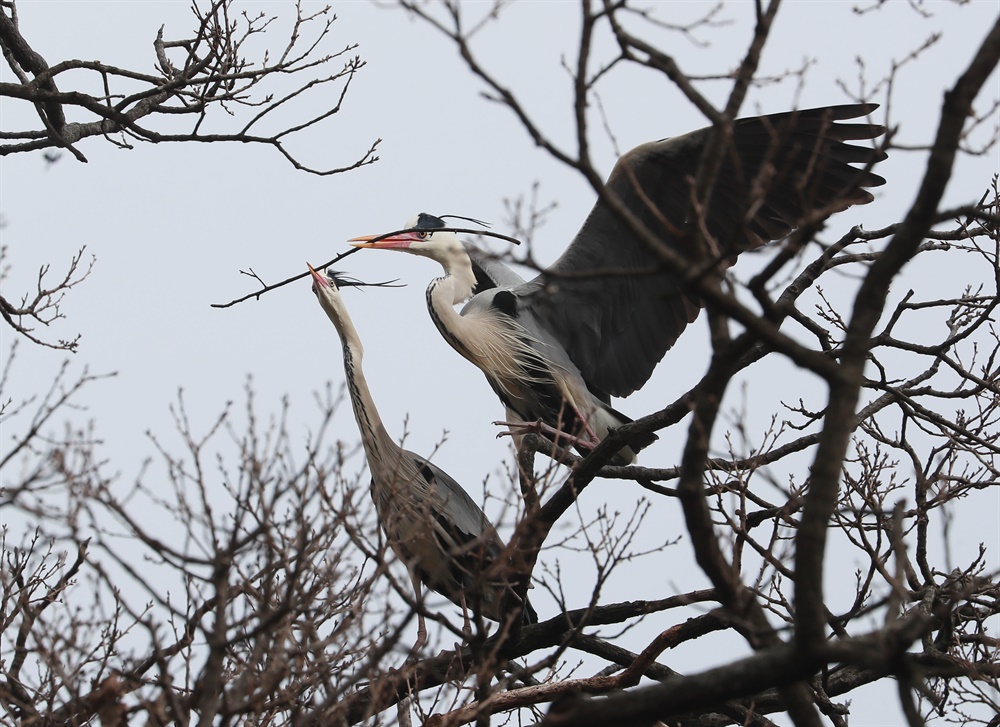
(775, 169)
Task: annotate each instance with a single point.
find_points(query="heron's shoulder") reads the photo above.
(447, 497)
(428, 470)
(491, 302)
(659, 150)
(490, 272)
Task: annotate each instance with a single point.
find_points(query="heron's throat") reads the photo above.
(491, 340)
(443, 294)
(460, 279)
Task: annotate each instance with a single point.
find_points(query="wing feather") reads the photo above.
(777, 168)
(445, 538)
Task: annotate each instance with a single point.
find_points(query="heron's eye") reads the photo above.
(422, 234)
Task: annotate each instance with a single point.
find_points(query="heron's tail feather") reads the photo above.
(612, 418)
(636, 442)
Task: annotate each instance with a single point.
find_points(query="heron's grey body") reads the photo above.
(542, 383)
(434, 527)
(597, 321)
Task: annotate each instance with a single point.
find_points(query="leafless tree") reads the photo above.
(252, 602)
(269, 597)
(889, 433)
(206, 89)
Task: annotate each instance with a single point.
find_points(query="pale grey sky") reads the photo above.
(171, 225)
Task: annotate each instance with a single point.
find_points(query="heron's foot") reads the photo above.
(539, 427)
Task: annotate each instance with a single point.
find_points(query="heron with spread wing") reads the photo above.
(595, 324)
(430, 522)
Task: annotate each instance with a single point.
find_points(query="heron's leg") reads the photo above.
(467, 624)
(421, 634)
(421, 624)
(517, 429)
(466, 631)
(403, 712)
(586, 425)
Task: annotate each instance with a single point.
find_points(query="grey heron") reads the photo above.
(430, 522)
(595, 323)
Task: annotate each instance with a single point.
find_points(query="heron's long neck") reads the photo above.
(376, 440)
(443, 294)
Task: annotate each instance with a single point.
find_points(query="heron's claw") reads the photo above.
(539, 427)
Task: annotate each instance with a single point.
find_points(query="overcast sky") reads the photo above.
(171, 225)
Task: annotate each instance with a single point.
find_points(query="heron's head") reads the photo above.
(423, 236)
(327, 293)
